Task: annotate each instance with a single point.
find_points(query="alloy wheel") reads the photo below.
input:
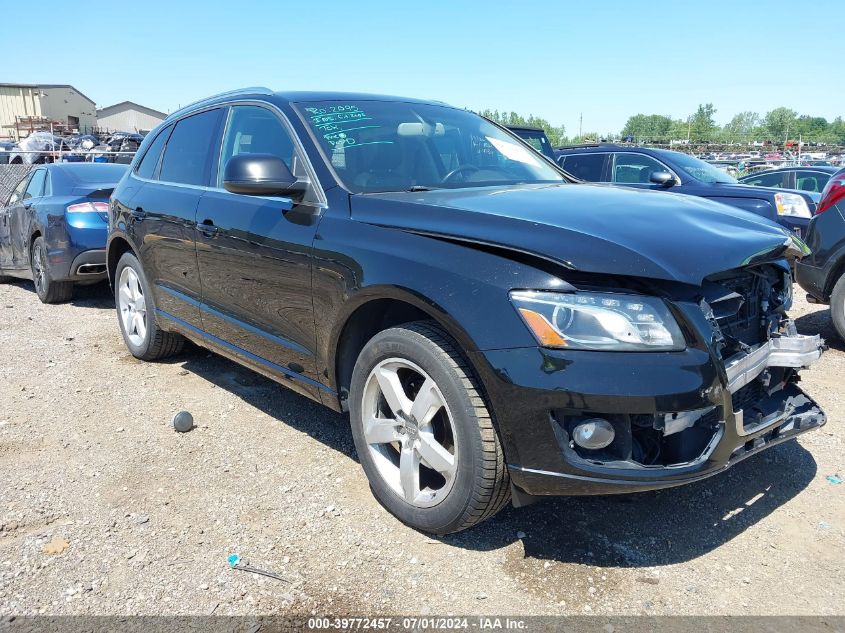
(410, 432)
(39, 266)
(132, 306)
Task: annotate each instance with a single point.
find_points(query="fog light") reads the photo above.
(593, 434)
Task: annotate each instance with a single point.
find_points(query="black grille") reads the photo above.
(749, 395)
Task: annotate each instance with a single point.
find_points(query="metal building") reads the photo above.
(128, 117)
(26, 108)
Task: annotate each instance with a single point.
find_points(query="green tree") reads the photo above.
(702, 125)
(778, 123)
(648, 127)
(811, 128)
(741, 126)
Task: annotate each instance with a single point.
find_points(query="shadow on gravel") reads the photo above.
(651, 528)
(286, 406)
(820, 323)
(97, 295)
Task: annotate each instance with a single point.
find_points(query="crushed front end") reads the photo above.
(668, 418)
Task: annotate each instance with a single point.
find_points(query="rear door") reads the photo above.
(254, 254)
(164, 213)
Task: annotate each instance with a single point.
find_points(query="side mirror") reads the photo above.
(261, 175)
(662, 178)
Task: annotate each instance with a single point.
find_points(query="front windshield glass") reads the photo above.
(395, 146)
(698, 169)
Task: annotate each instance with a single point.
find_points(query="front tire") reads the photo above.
(423, 433)
(136, 314)
(837, 307)
(47, 289)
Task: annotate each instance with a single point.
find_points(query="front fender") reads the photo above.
(462, 287)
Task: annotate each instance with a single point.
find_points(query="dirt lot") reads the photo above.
(142, 519)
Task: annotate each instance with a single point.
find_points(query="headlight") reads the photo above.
(599, 321)
(792, 204)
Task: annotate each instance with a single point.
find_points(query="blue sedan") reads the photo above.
(54, 225)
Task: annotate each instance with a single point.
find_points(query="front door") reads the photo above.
(20, 219)
(254, 256)
(13, 204)
(634, 170)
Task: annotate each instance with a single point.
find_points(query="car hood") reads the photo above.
(592, 228)
(741, 190)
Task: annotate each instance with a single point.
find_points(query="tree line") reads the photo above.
(777, 126)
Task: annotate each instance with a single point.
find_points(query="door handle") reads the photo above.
(138, 214)
(27, 205)
(207, 228)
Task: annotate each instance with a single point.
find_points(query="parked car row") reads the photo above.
(496, 328)
(44, 147)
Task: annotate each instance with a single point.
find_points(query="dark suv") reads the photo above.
(822, 274)
(666, 170)
(493, 329)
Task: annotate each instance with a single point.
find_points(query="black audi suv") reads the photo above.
(493, 329)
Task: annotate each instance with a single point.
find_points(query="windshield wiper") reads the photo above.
(420, 188)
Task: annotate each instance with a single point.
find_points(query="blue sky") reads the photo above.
(606, 59)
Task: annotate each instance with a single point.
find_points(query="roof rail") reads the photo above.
(231, 93)
(583, 145)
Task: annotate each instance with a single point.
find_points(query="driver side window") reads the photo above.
(255, 130)
(17, 193)
(631, 168)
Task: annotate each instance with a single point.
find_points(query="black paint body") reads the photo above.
(283, 287)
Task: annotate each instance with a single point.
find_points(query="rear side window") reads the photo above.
(584, 166)
(811, 180)
(147, 166)
(189, 149)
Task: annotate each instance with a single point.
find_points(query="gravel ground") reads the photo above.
(104, 509)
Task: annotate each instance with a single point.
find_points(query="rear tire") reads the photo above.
(837, 307)
(47, 289)
(423, 433)
(136, 314)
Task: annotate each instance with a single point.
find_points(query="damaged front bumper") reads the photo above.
(701, 414)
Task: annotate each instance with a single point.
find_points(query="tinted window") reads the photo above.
(189, 149)
(255, 130)
(17, 193)
(629, 167)
(811, 180)
(584, 166)
(766, 180)
(36, 184)
(395, 146)
(148, 164)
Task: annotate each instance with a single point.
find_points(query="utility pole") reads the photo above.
(689, 128)
(581, 127)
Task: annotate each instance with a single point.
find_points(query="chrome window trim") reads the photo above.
(322, 201)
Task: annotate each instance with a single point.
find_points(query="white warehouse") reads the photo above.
(128, 116)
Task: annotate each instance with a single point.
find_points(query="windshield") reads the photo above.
(697, 168)
(536, 139)
(378, 146)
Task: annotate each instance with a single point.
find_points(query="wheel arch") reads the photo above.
(375, 311)
(117, 246)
